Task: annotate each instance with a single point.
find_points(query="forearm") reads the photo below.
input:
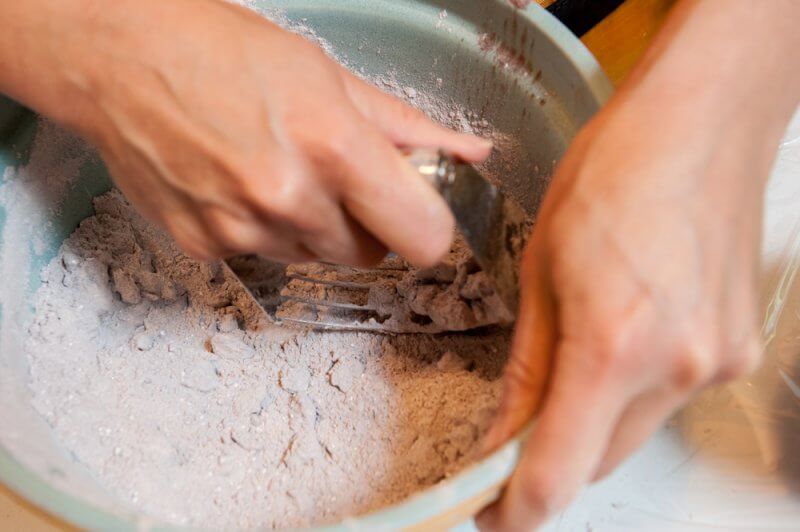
(723, 65)
(40, 57)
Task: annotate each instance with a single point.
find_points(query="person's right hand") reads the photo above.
(240, 137)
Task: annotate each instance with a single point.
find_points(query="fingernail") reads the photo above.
(482, 142)
(486, 143)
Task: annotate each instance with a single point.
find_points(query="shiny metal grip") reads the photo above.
(438, 168)
(494, 227)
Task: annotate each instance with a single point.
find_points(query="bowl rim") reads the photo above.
(491, 472)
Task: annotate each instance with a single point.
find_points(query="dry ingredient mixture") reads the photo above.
(157, 373)
(454, 295)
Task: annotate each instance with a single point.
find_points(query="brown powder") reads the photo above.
(453, 296)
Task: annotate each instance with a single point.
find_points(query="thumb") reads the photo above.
(528, 370)
(408, 127)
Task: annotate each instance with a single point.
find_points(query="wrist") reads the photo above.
(711, 89)
(43, 55)
(703, 65)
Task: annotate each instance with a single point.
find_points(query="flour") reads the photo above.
(156, 372)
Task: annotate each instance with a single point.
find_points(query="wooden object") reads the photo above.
(620, 39)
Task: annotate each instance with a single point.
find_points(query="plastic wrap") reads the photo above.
(730, 460)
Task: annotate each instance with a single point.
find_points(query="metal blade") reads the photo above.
(494, 226)
(262, 279)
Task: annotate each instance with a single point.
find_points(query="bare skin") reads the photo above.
(235, 135)
(639, 283)
(640, 279)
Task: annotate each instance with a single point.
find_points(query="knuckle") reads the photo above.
(342, 144)
(243, 180)
(211, 177)
(612, 350)
(329, 149)
(231, 232)
(281, 197)
(233, 236)
(547, 492)
(244, 175)
(695, 364)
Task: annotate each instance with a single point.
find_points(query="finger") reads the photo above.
(384, 193)
(244, 233)
(169, 208)
(647, 413)
(349, 243)
(181, 218)
(303, 207)
(139, 190)
(563, 452)
(640, 420)
(192, 236)
(318, 224)
(406, 126)
(529, 368)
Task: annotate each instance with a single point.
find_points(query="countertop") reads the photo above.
(17, 514)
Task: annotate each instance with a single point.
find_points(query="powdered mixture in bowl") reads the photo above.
(155, 372)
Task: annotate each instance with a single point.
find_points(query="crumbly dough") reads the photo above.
(158, 374)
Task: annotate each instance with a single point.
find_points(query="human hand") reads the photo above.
(240, 137)
(639, 283)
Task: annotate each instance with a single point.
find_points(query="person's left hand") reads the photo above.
(639, 288)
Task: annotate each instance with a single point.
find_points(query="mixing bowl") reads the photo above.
(520, 70)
